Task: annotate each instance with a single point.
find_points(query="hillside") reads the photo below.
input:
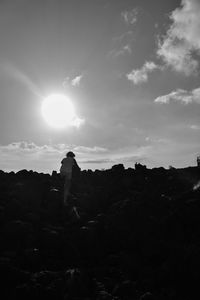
(128, 234)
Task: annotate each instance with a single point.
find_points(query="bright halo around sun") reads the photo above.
(58, 111)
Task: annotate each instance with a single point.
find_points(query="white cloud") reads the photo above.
(194, 127)
(141, 75)
(30, 147)
(154, 140)
(130, 17)
(126, 156)
(125, 49)
(77, 122)
(90, 149)
(97, 161)
(66, 82)
(122, 44)
(45, 158)
(182, 40)
(126, 36)
(180, 95)
(76, 81)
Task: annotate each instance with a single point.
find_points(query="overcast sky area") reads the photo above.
(130, 68)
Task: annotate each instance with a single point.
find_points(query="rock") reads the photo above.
(31, 260)
(29, 193)
(15, 234)
(13, 209)
(23, 292)
(54, 199)
(147, 296)
(50, 241)
(78, 283)
(125, 290)
(87, 242)
(2, 215)
(33, 218)
(103, 295)
(45, 278)
(11, 277)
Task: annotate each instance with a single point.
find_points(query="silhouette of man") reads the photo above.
(66, 169)
(198, 161)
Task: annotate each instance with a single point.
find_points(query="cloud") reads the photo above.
(20, 146)
(90, 149)
(156, 140)
(43, 158)
(24, 146)
(97, 161)
(141, 75)
(180, 47)
(29, 148)
(77, 122)
(130, 17)
(122, 44)
(124, 49)
(46, 158)
(138, 155)
(76, 81)
(111, 161)
(125, 36)
(180, 95)
(194, 127)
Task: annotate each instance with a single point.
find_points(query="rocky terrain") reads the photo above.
(127, 234)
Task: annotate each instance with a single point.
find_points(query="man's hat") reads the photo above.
(70, 154)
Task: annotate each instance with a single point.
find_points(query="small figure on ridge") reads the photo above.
(66, 169)
(198, 161)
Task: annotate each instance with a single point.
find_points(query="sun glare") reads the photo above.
(58, 111)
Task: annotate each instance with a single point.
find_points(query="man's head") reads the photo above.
(70, 154)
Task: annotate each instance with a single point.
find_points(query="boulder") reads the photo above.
(15, 234)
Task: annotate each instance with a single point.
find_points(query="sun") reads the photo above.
(58, 111)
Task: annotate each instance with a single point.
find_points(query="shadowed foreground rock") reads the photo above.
(127, 234)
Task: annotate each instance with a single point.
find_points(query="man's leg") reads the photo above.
(66, 189)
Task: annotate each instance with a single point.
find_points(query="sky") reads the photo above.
(130, 68)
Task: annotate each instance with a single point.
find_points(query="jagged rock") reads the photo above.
(50, 241)
(13, 209)
(23, 292)
(2, 215)
(125, 290)
(15, 234)
(103, 295)
(10, 278)
(33, 218)
(78, 284)
(54, 199)
(87, 240)
(147, 296)
(138, 231)
(29, 192)
(31, 260)
(45, 277)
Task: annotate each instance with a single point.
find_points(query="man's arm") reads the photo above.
(76, 166)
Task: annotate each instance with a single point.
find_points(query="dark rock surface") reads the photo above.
(127, 234)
